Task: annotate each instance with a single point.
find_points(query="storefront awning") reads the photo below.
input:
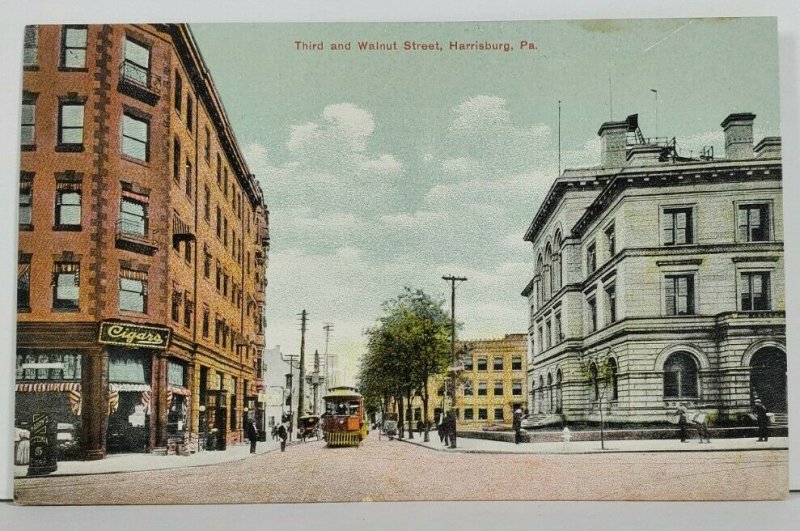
(48, 387)
(129, 387)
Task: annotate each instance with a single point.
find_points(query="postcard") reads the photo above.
(340, 262)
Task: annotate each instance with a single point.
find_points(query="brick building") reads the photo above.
(668, 271)
(143, 244)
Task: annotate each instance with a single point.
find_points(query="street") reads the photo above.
(384, 470)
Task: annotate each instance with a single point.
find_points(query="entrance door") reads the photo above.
(768, 378)
(222, 425)
(128, 425)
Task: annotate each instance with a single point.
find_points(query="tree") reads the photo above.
(599, 372)
(406, 347)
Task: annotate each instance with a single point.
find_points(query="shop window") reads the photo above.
(61, 365)
(755, 291)
(28, 121)
(753, 223)
(128, 366)
(24, 283)
(132, 291)
(679, 294)
(30, 54)
(66, 286)
(680, 376)
(73, 46)
(135, 137)
(70, 126)
(677, 226)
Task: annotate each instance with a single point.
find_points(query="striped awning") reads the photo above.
(48, 387)
(177, 390)
(129, 387)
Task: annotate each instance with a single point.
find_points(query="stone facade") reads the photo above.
(666, 270)
(127, 156)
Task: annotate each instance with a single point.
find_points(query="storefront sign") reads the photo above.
(132, 335)
(43, 446)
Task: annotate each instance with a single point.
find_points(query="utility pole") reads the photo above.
(302, 362)
(315, 383)
(328, 329)
(453, 281)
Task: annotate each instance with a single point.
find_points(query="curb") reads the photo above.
(589, 452)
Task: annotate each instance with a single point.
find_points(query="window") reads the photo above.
(70, 125)
(469, 414)
(677, 226)
(132, 291)
(133, 217)
(189, 113)
(219, 276)
(176, 305)
(612, 373)
(516, 363)
(482, 413)
(207, 151)
(135, 137)
(680, 376)
(497, 363)
(178, 94)
(498, 413)
(753, 223)
(481, 364)
(468, 388)
(206, 262)
(136, 68)
(62, 365)
(498, 389)
(679, 294)
(219, 171)
(68, 205)
(66, 285)
(468, 362)
(611, 241)
(176, 160)
(217, 330)
(25, 203)
(187, 252)
(219, 223)
(611, 303)
(188, 309)
(30, 55)
(188, 178)
(206, 203)
(557, 327)
(481, 388)
(24, 283)
(592, 304)
(593, 374)
(176, 373)
(548, 333)
(591, 258)
(225, 232)
(539, 337)
(28, 122)
(516, 388)
(225, 284)
(225, 182)
(73, 47)
(206, 313)
(755, 292)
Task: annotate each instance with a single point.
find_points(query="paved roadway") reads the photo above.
(383, 470)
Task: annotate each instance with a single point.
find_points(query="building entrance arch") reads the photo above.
(768, 378)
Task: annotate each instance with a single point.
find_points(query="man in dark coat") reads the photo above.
(283, 433)
(763, 420)
(681, 412)
(450, 428)
(252, 434)
(516, 423)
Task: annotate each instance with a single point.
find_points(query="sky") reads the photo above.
(385, 169)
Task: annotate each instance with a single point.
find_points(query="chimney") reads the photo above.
(738, 128)
(769, 148)
(644, 155)
(612, 153)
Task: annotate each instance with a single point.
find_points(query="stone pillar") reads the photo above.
(160, 412)
(94, 402)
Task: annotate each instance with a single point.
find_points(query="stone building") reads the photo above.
(143, 243)
(664, 276)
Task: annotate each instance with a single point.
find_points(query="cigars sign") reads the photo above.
(133, 335)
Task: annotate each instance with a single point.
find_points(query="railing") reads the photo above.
(136, 230)
(135, 74)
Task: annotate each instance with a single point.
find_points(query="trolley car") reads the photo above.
(343, 422)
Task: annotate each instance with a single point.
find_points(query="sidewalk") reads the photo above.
(115, 463)
(588, 447)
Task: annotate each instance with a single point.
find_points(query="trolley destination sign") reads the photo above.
(133, 335)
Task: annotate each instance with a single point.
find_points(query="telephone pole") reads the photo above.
(328, 329)
(302, 362)
(453, 281)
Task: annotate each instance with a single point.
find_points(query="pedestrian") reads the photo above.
(252, 434)
(451, 428)
(516, 423)
(763, 421)
(566, 436)
(283, 433)
(681, 412)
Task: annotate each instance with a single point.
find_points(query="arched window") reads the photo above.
(559, 395)
(612, 373)
(547, 276)
(680, 376)
(539, 270)
(550, 392)
(541, 393)
(595, 382)
(557, 262)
